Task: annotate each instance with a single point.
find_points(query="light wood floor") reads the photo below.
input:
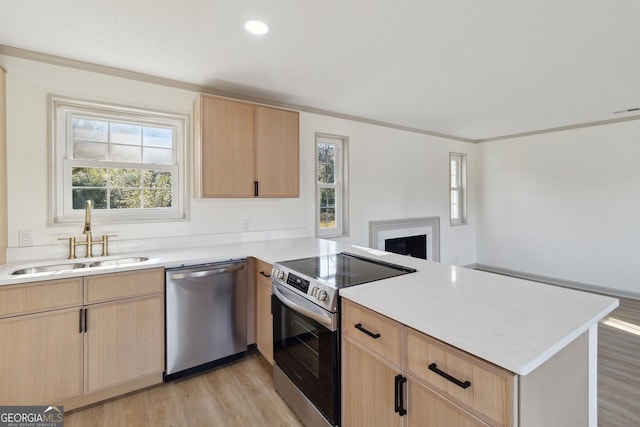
(238, 394)
(619, 367)
(241, 394)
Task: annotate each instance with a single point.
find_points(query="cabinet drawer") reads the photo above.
(377, 333)
(263, 269)
(40, 296)
(490, 392)
(128, 284)
(428, 408)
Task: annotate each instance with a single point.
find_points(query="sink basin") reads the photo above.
(118, 261)
(49, 268)
(67, 266)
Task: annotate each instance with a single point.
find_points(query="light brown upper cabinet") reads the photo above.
(245, 150)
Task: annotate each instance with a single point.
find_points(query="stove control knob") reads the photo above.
(322, 295)
(279, 274)
(314, 291)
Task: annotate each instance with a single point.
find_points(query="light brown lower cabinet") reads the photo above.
(74, 352)
(41, 358)
(368, 389)
(124, 341)
(427, 408)
(393, 375)
(380, 360)
(264, 318)
(376, 393)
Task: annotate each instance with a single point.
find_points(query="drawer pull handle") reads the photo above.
(433, 367)
(262, 273)
(359, 327)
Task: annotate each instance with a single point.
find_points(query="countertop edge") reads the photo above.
(272, 251)
(517, 367)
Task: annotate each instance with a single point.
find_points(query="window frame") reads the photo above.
(460, 186)
(340, 185)
(61, 112)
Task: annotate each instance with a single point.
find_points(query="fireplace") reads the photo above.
(415, 246)
(418, 237)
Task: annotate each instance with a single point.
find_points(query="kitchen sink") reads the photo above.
(68, 266)
(118, 261)
(48, 268)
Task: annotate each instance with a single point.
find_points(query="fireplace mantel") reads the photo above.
(379, 231)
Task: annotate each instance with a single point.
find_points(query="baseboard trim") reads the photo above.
(112, 392)
(603, 290)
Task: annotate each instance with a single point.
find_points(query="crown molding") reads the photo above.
(147, 78)
(560, 129)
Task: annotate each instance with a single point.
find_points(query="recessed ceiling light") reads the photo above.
(256, 27)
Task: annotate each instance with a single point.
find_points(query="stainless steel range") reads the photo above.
(306, 333)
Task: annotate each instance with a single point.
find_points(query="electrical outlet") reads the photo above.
(245, 224)
(25, 237)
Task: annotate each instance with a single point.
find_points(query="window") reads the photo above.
(128, 162)
(331, 188)
(458, 188)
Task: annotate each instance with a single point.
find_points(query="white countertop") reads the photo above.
(513, 323)
(267, 250)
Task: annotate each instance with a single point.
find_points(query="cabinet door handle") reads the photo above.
(399, 395)
(262, 273)
(80, 321)
(86, 325)
(359, 327)
(433, 367)
(255, 188)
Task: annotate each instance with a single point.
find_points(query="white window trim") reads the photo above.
(60, 166)
(341, 185)
(461, 160)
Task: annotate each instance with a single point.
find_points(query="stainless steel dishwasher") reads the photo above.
(206, 316)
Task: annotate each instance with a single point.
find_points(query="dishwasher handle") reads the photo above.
(206, 273)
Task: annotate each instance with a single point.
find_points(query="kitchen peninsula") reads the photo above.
(539, 335)
(542, 338)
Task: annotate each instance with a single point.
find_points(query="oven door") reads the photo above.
(306, 348)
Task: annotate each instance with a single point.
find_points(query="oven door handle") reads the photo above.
(307, 308)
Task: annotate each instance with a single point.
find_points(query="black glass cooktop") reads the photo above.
(344, 269)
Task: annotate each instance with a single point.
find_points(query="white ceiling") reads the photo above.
(472, 69)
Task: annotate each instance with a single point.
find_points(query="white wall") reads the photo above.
(29, 83)
(393, 174)
(564, 205)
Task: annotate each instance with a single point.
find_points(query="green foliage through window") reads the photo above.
(117, 188)
(330, 175)
(129, 161)
(326, 163)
